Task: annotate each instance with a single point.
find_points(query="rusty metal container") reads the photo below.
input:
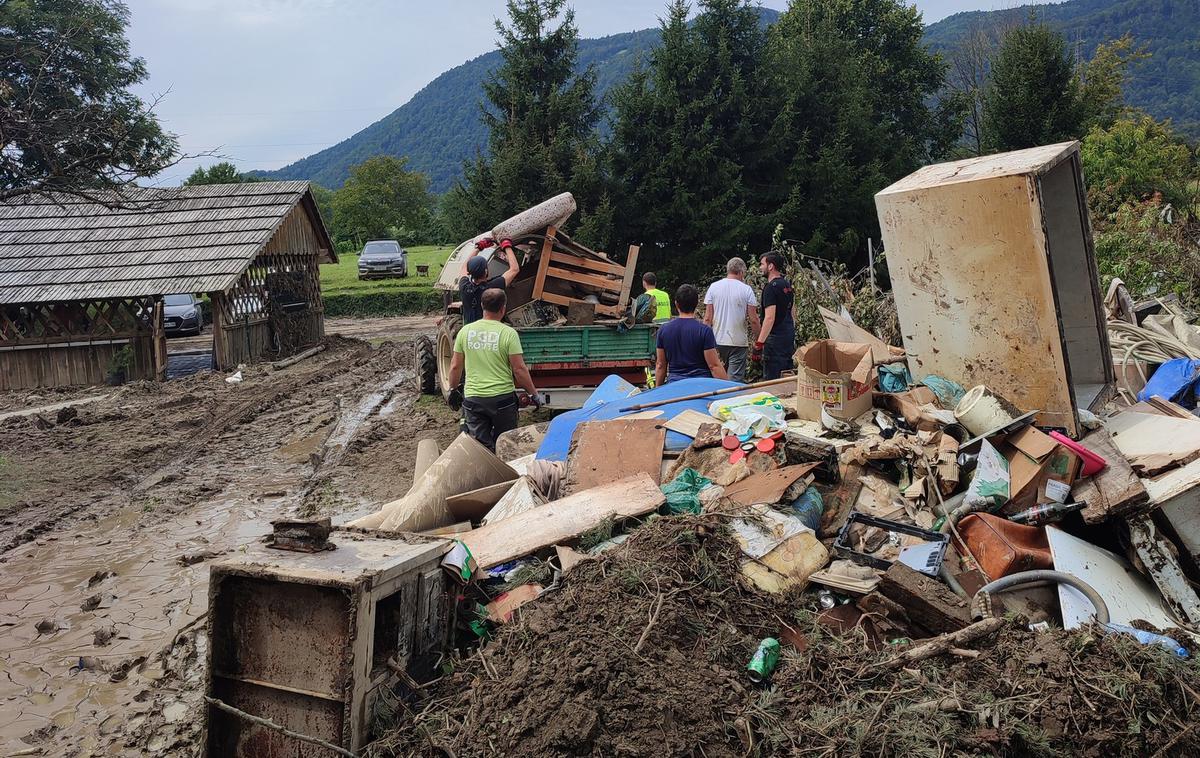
(995, 279)
(305, 639)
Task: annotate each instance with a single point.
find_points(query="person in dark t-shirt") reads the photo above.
(687, 346)
(777, 337)
(474, 279)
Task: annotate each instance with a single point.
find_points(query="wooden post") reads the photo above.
(539, 282)
(159, 341)
(627, 283)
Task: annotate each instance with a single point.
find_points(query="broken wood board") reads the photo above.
(1158, 556)
(523, 496)
(927, 601)
(1153, 444)
(562, 520)
(1167, 408)
(474, 505)
(449, 531)
(688, 422)
(1115, 491)
(768, 486)
(642, 414)
(604, 451)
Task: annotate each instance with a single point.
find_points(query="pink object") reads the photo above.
(1092, 463)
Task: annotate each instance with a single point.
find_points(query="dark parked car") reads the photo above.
(182, 315)
(380, 258)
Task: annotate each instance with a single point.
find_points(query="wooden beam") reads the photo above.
(539, 281)
(627, 284)
(1115, 491)
(562, 520)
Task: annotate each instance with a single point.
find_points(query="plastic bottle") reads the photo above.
(1045, 514)
(1150, 638)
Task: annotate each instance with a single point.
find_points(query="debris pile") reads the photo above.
(644, 651)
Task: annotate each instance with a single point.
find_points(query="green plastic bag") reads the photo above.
(683, 492)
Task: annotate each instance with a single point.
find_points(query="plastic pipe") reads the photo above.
(1041, 576)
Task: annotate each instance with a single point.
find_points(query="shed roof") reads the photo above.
(155, 242)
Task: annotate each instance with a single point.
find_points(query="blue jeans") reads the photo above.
(734, 359)
(777, 353)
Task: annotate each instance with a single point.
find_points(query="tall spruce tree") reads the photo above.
(1033, 97)
(541, 115)
(685, 127)
(852, 84)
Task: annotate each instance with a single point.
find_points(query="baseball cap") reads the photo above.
(477, 267)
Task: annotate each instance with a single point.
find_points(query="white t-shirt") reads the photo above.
(729, 299)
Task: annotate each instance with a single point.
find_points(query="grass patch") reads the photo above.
(346, 295)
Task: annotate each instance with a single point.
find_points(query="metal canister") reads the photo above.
(766, 657)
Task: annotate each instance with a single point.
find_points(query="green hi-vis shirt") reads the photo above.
(486, 346)
(664, 304)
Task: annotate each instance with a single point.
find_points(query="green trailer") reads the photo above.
(566, 362)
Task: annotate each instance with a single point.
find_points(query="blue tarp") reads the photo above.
(613, 394)
(1175, 380)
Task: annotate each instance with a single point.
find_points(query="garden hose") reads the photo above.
(981, 605)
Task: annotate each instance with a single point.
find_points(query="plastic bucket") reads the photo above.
(981, 411)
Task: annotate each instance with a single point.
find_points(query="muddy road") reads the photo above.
(111, 509)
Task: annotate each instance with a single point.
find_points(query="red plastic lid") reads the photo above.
(730, 442)
(766, 445)
(736, 456)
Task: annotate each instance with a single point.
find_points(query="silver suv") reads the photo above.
(381, 258)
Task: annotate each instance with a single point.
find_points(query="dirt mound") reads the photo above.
(643, 652)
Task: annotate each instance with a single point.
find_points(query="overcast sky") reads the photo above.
(267, 82)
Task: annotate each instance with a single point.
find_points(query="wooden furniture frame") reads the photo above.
(566, 261)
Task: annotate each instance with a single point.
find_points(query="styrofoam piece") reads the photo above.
(1129, 596)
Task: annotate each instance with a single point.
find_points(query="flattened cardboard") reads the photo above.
(501, 609)
(767, 487)
(836, 375)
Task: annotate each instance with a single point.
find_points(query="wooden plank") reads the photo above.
(1167, 408)
(605, 451)
(627, 284)
(688, 422)
(539, 280)
(926, 600)
(562, 520)
(767, 486)
(576, 277)
(1115, 491)
(603, 268)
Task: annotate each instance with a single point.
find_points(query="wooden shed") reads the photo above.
(81, 282)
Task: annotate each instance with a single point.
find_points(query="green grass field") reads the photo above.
(346, 295)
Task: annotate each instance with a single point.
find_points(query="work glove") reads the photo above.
(506, 244)
(455, 399)
(482, 245)
(756, 353)
(537, 400)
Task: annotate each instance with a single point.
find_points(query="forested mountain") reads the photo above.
(1165, 85)
(440, 126)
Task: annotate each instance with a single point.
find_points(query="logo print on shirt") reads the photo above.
(483, 340)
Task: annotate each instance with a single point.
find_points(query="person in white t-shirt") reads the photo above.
(728, 305)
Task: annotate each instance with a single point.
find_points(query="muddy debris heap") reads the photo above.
(911, 550)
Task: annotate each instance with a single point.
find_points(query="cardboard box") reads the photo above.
(837, 375)
(1033, 459)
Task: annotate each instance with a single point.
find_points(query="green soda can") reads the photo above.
(764, 661)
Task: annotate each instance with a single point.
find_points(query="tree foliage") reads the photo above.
(1033, 96)
(540, 115)
(380, 196)
(1134, 159)
(219, 173)
(68, 122)
(685, 129)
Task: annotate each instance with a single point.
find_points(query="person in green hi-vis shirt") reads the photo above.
(662, 299)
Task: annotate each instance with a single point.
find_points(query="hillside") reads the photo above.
(1167, 85)
(440, 127)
